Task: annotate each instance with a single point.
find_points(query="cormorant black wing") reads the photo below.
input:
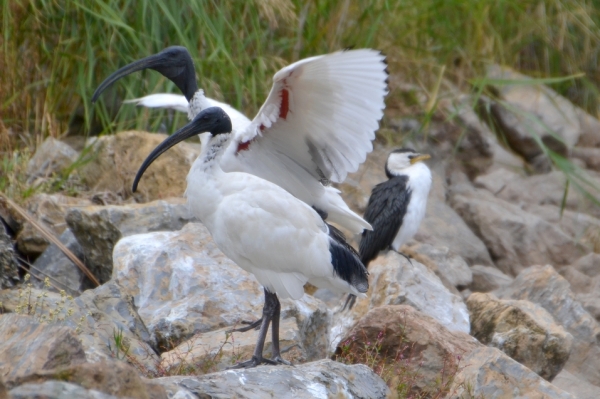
(385, 211)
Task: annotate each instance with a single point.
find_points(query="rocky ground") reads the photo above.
(500, 299)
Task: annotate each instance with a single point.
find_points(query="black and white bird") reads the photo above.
(315, 127)
(396, 207)
(264, 229)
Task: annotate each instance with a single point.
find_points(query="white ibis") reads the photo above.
(263, 228)
(397, 206)
(316, 125)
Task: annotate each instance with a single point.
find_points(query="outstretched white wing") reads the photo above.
(319, 119)
(181, 104)
(161, 100)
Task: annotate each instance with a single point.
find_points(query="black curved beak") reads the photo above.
(213, 120)
(174, 63)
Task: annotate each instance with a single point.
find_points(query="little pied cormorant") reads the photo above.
(396, 207)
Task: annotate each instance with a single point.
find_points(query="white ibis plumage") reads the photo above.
(315, 127)
(397, 206)
(263, 228)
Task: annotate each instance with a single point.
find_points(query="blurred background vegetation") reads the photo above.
(54, 53)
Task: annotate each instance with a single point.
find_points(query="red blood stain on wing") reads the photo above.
(243, 146)
(285, 103)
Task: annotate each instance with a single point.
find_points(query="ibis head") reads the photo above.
(400, 159)
(175, 63)
(213, 120)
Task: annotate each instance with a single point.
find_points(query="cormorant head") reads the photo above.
(402, 158)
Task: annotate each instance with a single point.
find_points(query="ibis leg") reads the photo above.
(275, 335)
(272, 307)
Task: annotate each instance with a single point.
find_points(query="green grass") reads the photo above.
(64, 49)
(55, 53)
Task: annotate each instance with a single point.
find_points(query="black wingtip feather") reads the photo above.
(346, 262)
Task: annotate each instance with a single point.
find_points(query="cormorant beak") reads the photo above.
(175, 63)
(213, 120)
(419, 158)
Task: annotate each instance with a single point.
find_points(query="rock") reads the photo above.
(590, 130)
(56, 390)
(63, 273)
(98, 228)
(489, 373)
(478, 147)
(487, 278)
(588, 265)
(585, 288)
(110, 311)
(524, 331)
(3, 390)
(544, 286)
(120, 156)
(582, 228)
(514, 237)
(408, 340)
(98, 316)
(394, 281)
(443, 227)
(49, 210)
(322, 379)
(577, 387)
(107, 378)
(216, 350)
(9, 264)
(548, 189)
(590, 156)
(447, 265)
(531, 112)
(304, 328)
(184, 285)
(51, 157)
(28, 346)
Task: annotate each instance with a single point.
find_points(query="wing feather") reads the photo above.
(322, 113)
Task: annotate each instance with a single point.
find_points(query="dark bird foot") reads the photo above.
(350, 301)
(280, 360)
(250, 325)
(255, 361)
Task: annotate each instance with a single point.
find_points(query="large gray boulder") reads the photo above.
(99, 228)
(393, 280)
(119, 157)
(489, 373)
(531, 112)
(64, 274)
(28, 346)
(515, 238)
(323, 379)
(95, 318)
(51, 157)
(184, 285)
(523, 330)
(544, 286)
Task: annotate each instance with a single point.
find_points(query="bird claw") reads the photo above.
(255, 361)
(280, 360)
(250, 325)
